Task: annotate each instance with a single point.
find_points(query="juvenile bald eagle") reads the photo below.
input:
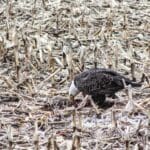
(99, 83)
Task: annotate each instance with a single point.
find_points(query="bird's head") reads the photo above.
(73, 91)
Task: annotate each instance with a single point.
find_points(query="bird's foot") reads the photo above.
(107, 104)
(113, 96)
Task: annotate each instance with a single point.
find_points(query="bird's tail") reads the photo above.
(135, 84)
(132, 83)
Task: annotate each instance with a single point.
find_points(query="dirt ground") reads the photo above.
(43, 44)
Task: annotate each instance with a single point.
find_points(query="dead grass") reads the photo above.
(43, 44)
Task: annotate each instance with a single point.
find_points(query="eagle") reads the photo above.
(99, 83)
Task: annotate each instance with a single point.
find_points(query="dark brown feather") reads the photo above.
(101, 82)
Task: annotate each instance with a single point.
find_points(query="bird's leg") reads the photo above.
(100, 100)
(107, 104)
(113, 96)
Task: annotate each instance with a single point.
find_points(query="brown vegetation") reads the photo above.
(43, 44)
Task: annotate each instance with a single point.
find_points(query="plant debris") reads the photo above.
(43, 45)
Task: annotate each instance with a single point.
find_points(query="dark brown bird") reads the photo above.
(99, 83)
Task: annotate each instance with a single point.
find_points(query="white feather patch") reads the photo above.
(73, 89)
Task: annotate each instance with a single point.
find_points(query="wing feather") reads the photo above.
(99, 81)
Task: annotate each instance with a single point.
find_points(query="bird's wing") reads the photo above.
(98, 82)
(104, 70)
(118, 78)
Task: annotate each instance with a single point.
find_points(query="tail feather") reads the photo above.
(134, 84)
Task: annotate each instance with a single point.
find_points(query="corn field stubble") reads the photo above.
(43, 44)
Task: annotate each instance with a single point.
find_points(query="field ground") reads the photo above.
(43, 44)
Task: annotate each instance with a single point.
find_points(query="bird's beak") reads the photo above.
(71, 98)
